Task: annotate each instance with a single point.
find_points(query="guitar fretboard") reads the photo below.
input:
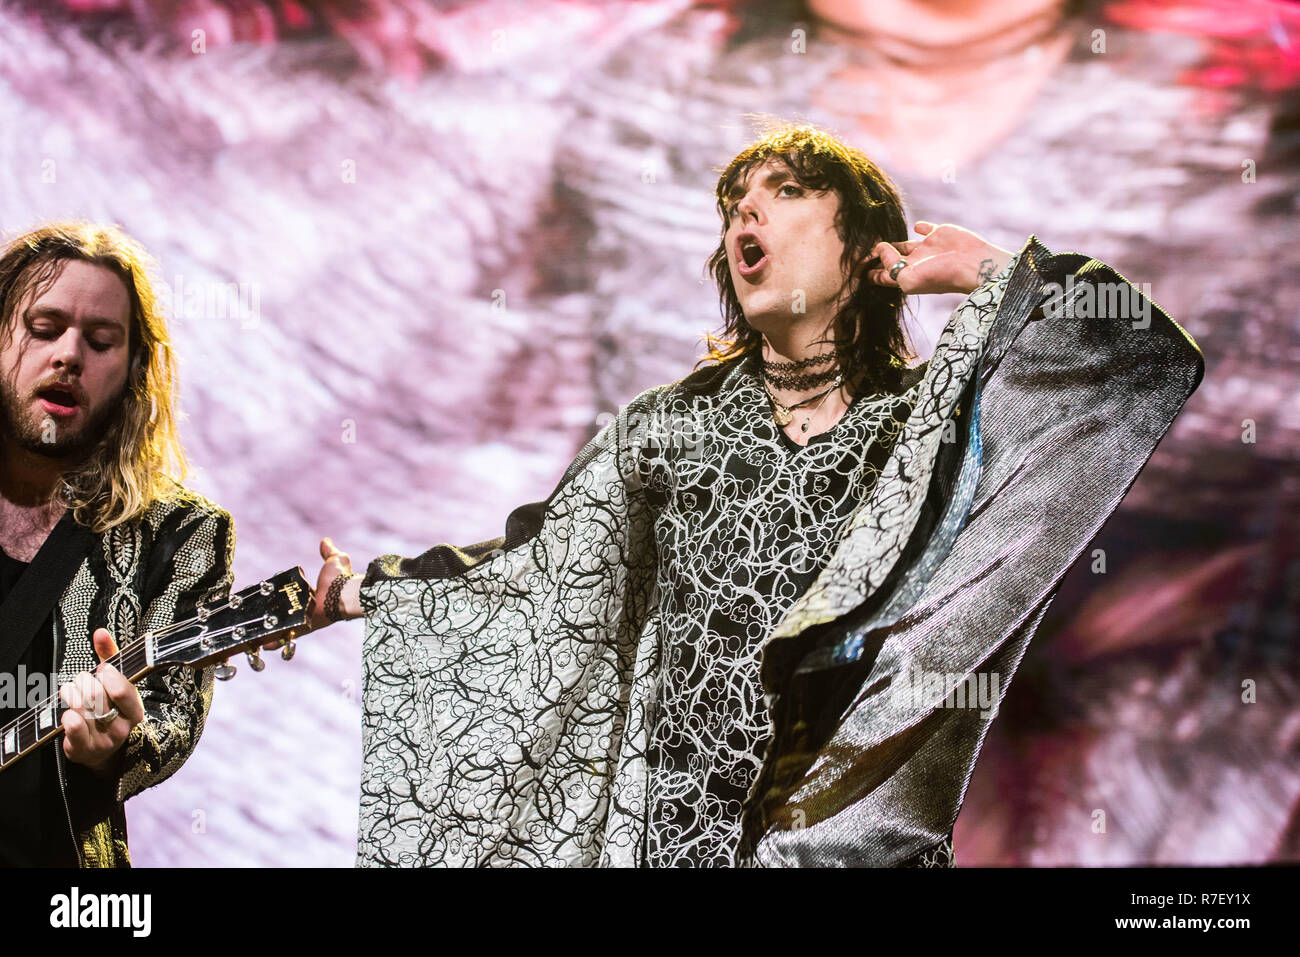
(44, 720)
(220, 626)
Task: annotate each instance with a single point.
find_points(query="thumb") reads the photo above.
(924, 227)
(327, 548)
(105, 646)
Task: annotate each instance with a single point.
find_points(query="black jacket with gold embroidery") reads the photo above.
(139, 577)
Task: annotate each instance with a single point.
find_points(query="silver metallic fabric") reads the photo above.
(870, 761)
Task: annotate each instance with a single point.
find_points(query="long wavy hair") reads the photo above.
(138, 459)
(868, 327)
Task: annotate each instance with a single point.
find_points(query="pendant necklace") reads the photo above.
(783, 414)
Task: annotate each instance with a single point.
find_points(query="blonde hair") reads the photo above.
(139, 459)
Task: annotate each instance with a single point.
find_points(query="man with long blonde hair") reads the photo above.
(93, 517)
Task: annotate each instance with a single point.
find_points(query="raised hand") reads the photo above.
(336, 563)
(949, 258)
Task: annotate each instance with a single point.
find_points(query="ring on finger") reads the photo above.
(102, 721)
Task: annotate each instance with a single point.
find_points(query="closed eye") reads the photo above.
(51, 332)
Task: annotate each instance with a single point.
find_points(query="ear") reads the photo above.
(137, 363)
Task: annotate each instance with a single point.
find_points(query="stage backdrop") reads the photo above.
(417, 252)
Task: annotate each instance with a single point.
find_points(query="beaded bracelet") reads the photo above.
(333, 596)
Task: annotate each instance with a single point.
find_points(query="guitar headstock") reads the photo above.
(275, 608)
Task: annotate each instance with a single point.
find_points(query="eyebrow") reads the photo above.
(54, 312)
(771, 178)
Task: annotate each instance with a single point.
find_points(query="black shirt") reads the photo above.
(34, 829)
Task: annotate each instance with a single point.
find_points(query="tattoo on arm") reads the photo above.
(987, 271)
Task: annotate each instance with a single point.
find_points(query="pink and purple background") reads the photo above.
(464, 232)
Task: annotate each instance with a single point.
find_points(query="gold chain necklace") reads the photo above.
(784, 415)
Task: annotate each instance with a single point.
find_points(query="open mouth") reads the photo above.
(752, 255)
(59, 399)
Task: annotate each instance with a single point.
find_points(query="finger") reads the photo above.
(889, 257)
(881, 278)
(93, 697)
(76, 734)
(70, 695)
(333, 554)
(114, 733)
(121, 695)
(924, 227)
(114, 682)
(887, 254)
(105, 646)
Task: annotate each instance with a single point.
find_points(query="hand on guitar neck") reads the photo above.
(346, 596)
(102, 708)
(96, 712)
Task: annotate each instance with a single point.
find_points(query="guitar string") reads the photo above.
(31, 718)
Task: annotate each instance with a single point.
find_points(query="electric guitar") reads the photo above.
(220, 627)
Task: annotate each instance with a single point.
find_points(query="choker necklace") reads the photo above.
(779, 367)
(797, 383)
(783, 413)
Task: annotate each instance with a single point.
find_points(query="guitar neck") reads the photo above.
(42, 723)
(221, 626)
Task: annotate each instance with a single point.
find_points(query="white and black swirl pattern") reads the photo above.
(745, 520)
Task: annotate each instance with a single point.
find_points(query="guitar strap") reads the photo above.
(34, 595)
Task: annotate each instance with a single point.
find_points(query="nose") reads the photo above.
(69, 354)
(748, 208)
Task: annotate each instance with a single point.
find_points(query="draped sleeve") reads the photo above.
(497, 677)
(1040, 408)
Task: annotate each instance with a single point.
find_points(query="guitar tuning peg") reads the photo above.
(255, 660)
(287, 650)
(225, 671)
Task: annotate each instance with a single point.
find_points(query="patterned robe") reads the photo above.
(692, 651)
(743, 525)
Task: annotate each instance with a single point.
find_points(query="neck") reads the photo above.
(28, 480)
(803, 337)
(939, 34)
(789, 345)
(785, 349)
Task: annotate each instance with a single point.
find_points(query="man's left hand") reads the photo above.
(95, 742)
(948, 259)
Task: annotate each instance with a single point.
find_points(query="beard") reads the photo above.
(41, 434)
